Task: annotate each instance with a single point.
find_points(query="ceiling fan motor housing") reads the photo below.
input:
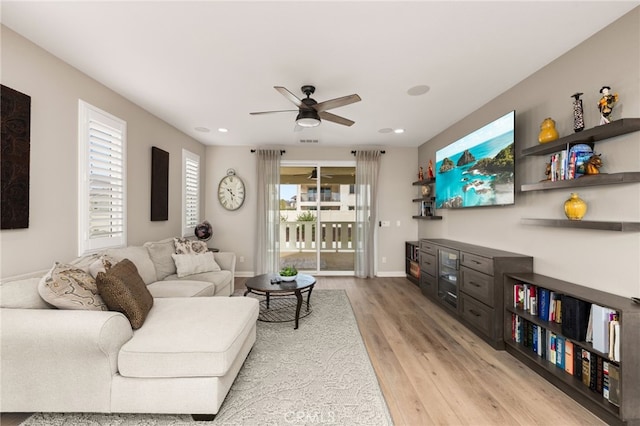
(308, 89)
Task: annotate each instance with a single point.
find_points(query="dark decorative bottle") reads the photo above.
(578, 117)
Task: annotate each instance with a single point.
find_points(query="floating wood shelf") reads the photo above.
(428, 217)
(424, 182)
(594, 134)
(586, 224)
(588, 180)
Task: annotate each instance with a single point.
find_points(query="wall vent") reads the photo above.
(308, 141)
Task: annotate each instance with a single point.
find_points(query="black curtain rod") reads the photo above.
(381, 152)
(282, 151)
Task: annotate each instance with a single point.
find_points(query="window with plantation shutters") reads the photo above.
(190, 192)
(102, 180)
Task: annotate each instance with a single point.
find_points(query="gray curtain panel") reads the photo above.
(268, 247)
(367, 167)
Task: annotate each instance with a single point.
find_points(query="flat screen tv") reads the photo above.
(478, 169)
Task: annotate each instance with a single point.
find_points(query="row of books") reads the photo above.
(579, 320)
(598, 374)
(538, 301)
(569, 164)
(413, 252)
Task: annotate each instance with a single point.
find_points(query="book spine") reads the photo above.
(560, 352)
(543, 304)
(593, 371)
(586, 367)
(577, 363)
(605, 379)
(568, 357)
(599, 377)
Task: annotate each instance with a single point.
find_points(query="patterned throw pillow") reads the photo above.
(68, 287)
(102, 264)
(123, 290)
(183, 245)
(187, 246)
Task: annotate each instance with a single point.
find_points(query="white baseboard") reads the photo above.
(245, 274)
(391, 274)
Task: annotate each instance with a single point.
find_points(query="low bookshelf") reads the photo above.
(535, 335)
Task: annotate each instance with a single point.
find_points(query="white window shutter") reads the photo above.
(102, 168)
(191, 191)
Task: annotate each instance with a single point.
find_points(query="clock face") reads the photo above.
(231, 192)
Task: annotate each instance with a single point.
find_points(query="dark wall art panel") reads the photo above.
(159, 184)
(15, 111)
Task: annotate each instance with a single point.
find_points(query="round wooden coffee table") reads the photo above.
(262, 285)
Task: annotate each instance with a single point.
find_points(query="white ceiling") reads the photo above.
(210, 63)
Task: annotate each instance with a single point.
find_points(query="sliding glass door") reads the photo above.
(317, 217)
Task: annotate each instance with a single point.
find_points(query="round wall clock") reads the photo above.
(231, 191)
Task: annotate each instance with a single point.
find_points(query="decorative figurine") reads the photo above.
(430, 170)
(548, 131)
(578, 113)
(420, 174)
(606, 104)
(592, 166)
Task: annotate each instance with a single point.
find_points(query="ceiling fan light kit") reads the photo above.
(311, 112)
(308, 118)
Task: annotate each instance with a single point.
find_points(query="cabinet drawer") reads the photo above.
(477, 314)
(428, 263)
(478, 263)
(428, 247)
(428, 285)
(478, 285)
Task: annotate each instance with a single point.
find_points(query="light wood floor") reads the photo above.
(433, 370)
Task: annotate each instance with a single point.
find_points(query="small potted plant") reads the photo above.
(288, 273)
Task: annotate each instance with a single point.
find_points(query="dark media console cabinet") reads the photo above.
(467, 280)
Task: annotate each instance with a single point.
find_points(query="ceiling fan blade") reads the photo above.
(293, 98)
(337, 102)
(271, 112)
(335, 118)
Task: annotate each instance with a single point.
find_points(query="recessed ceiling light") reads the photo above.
(398, 131)
(223, 130)
(202, 129)
(386, 130)
(418, 90)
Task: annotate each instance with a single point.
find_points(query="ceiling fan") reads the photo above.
(311, 112)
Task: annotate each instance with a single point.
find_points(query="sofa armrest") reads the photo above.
(227, 261)
(52, 357)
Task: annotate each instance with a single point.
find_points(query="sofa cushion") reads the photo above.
(68, 287)
(219, 278)
(140, 257)
(22, 294)
(189, 264)
(189, 337)
(160, 253)
(182, 288)
(124, 291)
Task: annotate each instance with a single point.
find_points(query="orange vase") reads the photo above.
(575, 207)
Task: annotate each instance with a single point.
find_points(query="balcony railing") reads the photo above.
(301, 236)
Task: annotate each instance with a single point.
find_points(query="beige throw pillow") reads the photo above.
(123, 290)
(160, 253)
(68, 287)
(189, 264)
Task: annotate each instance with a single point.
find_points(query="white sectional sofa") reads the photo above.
(182, 360)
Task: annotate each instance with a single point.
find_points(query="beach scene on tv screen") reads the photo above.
(478, 170)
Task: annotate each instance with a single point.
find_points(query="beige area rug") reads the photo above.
(319, 374)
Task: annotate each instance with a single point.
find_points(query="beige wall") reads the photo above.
(599, 259)
(55, 88)
(235, 231)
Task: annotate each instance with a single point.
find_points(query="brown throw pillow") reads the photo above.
(123, 290)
